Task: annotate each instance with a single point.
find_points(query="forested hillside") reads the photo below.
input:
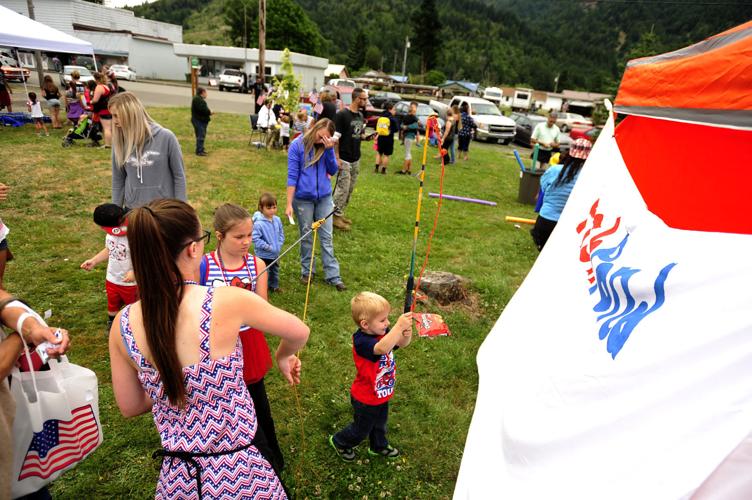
(584, 42)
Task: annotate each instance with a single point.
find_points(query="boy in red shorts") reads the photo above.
(120, 285)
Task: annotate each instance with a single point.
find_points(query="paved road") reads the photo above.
(160, 94)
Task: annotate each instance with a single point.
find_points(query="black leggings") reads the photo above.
(541, 231)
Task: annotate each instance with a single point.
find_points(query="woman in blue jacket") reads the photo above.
(310, 162)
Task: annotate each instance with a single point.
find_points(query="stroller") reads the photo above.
(84, 129)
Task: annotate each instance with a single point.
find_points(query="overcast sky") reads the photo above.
(122, 3)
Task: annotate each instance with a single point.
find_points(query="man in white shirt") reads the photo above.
(268, 123)
(546, 135)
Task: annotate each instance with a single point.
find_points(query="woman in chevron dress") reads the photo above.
(176, 352)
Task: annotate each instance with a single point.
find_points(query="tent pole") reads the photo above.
(94, 57)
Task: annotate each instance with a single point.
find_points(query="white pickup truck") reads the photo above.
(492, 125)
(233, 79)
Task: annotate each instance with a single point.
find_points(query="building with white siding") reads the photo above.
(118, 35)
(214, 59)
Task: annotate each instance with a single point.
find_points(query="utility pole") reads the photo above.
(37, 53)
(245, 37)
(404, 59)
(262, 40)
(556, 82)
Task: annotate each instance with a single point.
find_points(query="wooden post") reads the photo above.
(262, 40)
(194, 81)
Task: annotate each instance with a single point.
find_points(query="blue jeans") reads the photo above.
(200, 129)
(368, 422)
(306, 212)
(273, 272)
(451, 149)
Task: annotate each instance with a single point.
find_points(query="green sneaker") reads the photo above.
(346, 454)
(388, 452)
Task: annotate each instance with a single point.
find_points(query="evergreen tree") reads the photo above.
(356, 56)
(373, 58)
(426, 38)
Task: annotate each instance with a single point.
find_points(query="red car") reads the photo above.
(345, 95)
(591, 134)
(13, 73)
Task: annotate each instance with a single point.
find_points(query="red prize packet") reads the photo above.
(430, 325)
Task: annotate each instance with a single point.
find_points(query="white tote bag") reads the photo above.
(56, 424)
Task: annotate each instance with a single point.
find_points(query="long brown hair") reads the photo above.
(310, 137)
(157, 233)
(49, 85)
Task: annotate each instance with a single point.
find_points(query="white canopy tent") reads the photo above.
(20, 32)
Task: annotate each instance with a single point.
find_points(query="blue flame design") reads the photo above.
(618, 326)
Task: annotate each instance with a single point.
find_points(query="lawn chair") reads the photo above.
(256, 133)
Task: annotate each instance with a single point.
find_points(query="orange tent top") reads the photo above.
(710, 81)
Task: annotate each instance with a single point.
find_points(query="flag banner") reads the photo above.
(261, 98)
(61, 443)
(622, 367)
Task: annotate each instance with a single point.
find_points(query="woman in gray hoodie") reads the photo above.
(147, 163)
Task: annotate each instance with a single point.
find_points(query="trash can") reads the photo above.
(529, 186)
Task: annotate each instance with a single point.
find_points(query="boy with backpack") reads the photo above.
(386, 126)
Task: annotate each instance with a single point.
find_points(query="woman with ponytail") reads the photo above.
(556, 185)
(176, 352)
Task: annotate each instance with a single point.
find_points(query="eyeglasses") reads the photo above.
(206, 236)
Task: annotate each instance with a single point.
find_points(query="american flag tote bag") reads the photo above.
(56, 423)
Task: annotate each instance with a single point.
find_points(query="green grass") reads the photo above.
(54, 191)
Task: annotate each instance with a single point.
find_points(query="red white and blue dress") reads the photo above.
(207, 445)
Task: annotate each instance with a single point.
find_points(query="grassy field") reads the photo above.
(54, 191)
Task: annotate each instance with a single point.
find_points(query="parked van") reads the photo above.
(492, 125)
(493, 94)
(341, 82)
(523, 99)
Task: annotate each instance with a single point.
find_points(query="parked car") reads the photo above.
(123, 72)
(424, 111)
(492, 125)
(14, 73)
(525, 125)
(591, 134)
(233, 79)
(381, 99)
(65, 76)
(567, 121)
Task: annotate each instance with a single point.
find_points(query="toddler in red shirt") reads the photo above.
(373, 346)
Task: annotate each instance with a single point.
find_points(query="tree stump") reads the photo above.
(444, 287)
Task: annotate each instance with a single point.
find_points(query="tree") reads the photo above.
(426, 39)
(435, 77)
(287, 88)
(287, 26)
(356, 56)
(373, 57)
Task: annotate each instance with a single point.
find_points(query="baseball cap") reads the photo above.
(109, 217)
